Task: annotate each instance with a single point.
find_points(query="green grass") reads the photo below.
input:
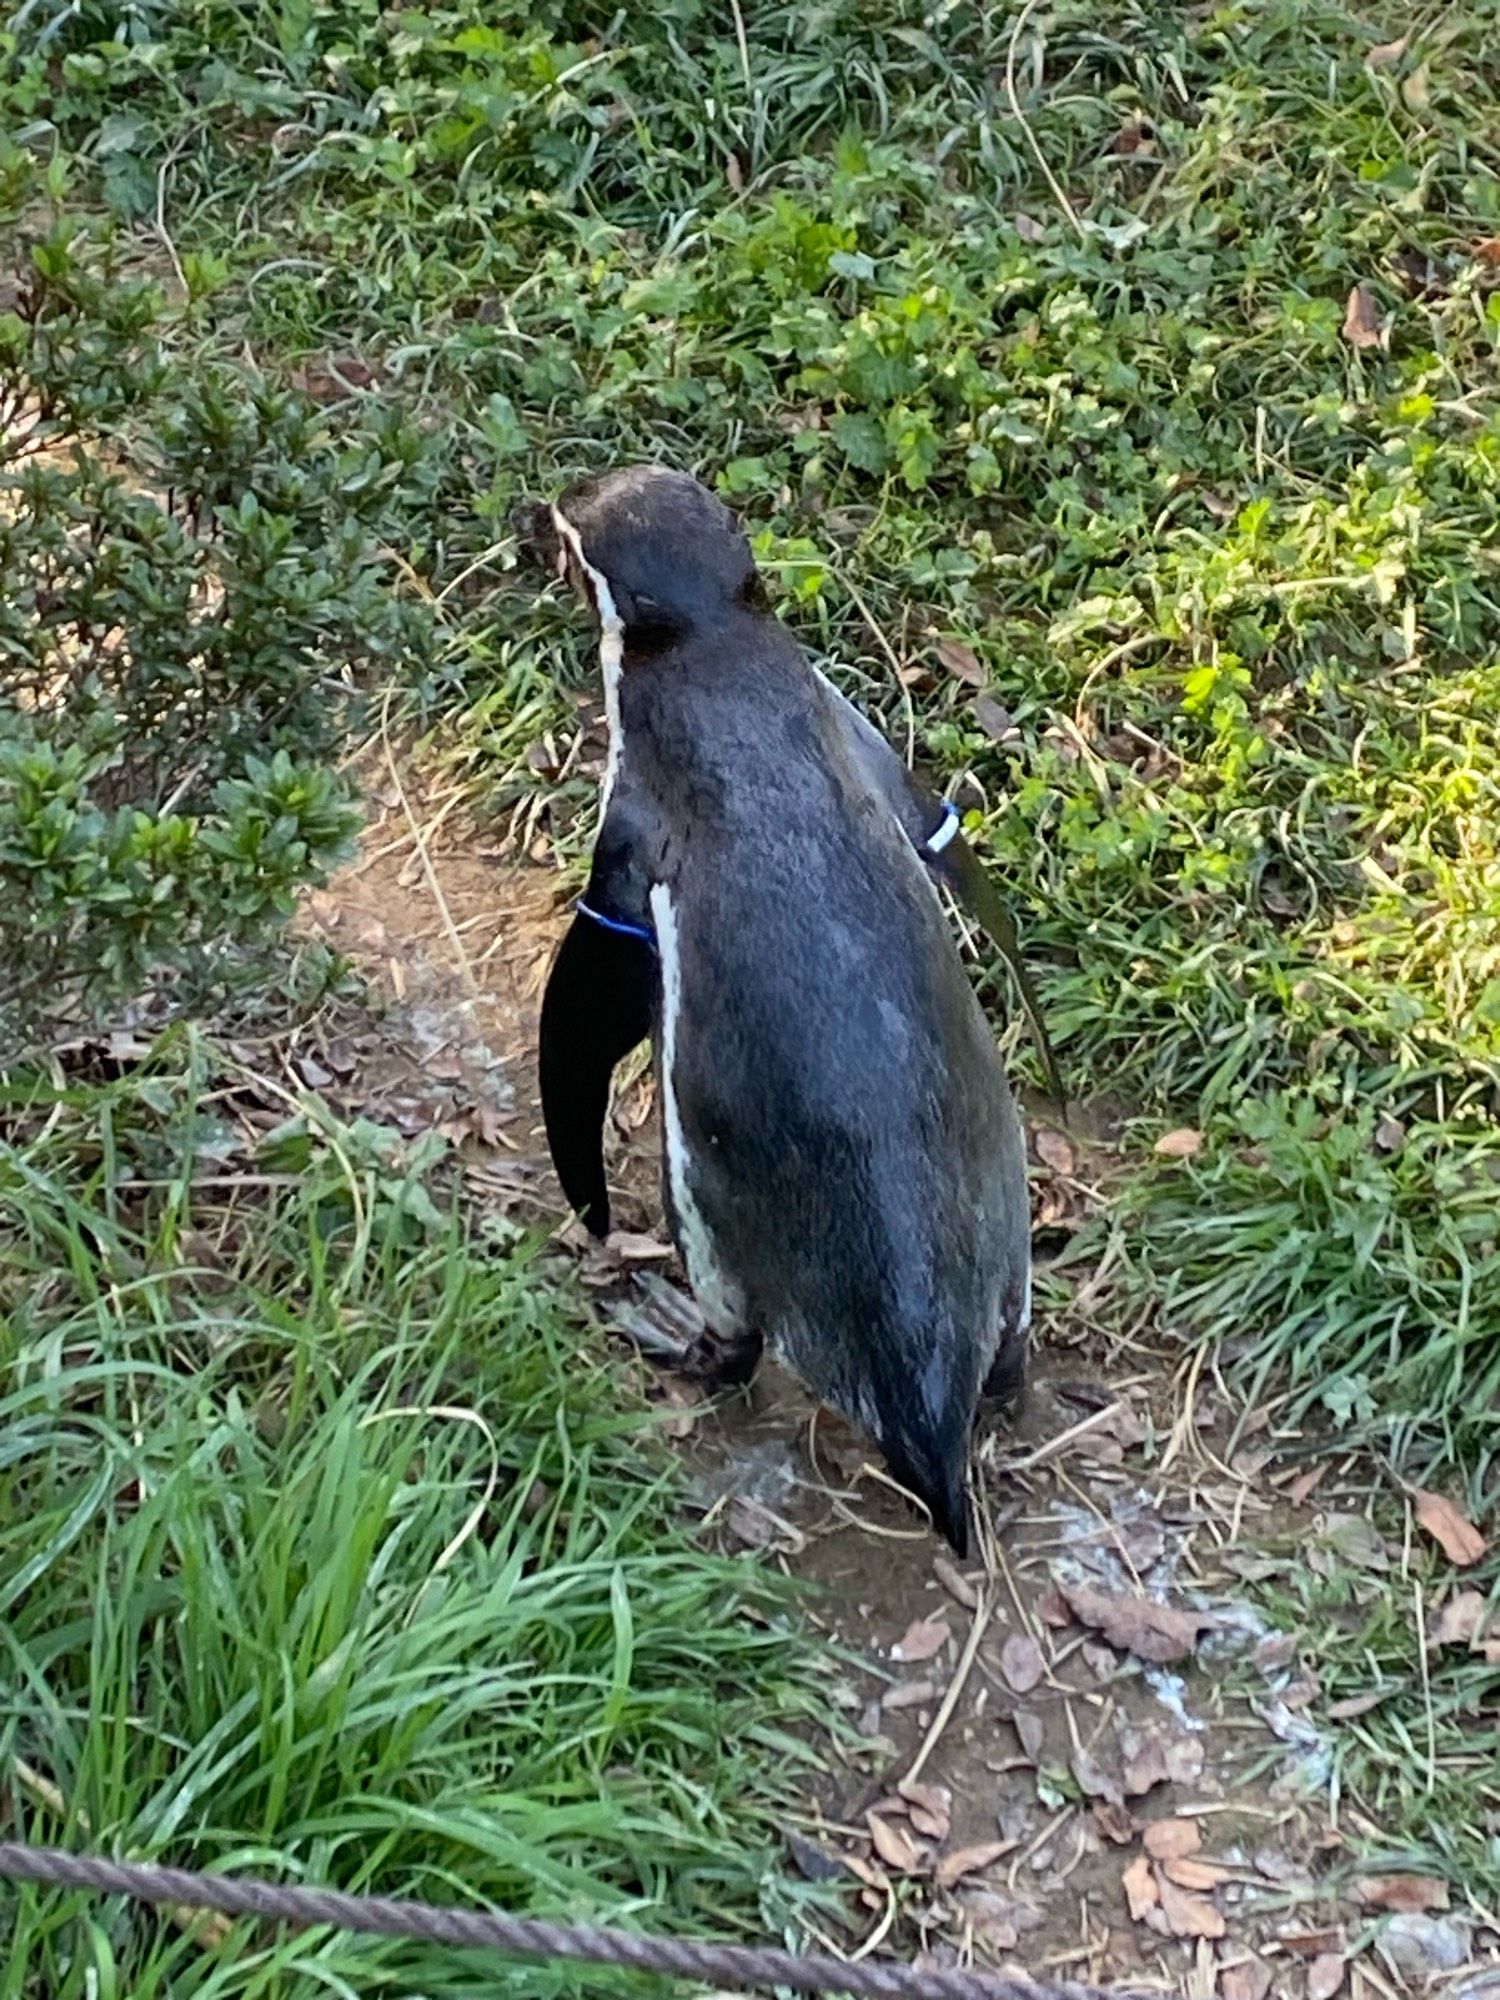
(1233, 576)
(327, 1552)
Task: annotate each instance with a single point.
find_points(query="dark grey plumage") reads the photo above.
(844, 1165)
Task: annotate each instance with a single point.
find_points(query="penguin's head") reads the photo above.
(654, 554)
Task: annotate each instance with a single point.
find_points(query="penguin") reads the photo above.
(843, 1163)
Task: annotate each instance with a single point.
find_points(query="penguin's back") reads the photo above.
(844, 1159)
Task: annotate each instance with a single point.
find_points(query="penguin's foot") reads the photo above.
(723, 1360)
(714, 1361)
(1006, 1381)
(654, 1341)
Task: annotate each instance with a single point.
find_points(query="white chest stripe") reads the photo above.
(715, 1293)
(611, 649)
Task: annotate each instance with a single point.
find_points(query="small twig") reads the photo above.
(1055, 1445)
(1020, 117)
(955, 1689)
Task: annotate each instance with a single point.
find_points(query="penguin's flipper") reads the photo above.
(598, 1006)
(933, 831)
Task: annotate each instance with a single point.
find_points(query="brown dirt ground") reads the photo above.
(1006, 1766)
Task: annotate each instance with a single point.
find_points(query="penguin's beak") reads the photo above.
(537, 536)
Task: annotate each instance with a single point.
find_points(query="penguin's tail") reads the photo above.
(937, 1477)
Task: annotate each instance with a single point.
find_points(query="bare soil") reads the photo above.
(1018, 1781)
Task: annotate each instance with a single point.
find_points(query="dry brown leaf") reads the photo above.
(1362, 327)
(993, 717)
(632, 1249)
(1172, 1839)
(894, 1845)
(1416, 89)
(1458, 1623)
(734, 173)
(955, 1583)
(1022, 1662)
(1310, 1944)
(910, 1694)
(1188, 1915)
(1094, 1778)
(1164, 1760)
(1357, 1704)
(1139, 1884)
(1028, 1728)
(1053, 1150)
(1249, 1980)
(1390, 1134)
(873, 1876)
(1386, 55)
(1114, 1821)
(931, 1808)
(1139, 1625)
(1188, 1872)
(1412, 1893)
(1305, 1485)
(1181, 1144)
(923, 1639)
(1325, 1975)
(1052, 1608)
(962, 662)
(1460, 1541)
(970, 1860)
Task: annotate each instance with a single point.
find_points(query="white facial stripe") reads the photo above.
(611, 645)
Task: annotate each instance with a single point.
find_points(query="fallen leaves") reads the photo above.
(1250, 1979)
(1460, 1541)
(1022, 1662)
(1163, 1760)
(1363, 327)
(930, 1808)
(1325, 1975)
(1403, 1892)
(969, 1861)
(894, 1844)
(923, 1639)
(1188, 1914)
(1054, 1151)
(1386, 55)
(1138, 1625)
(1139, 1884)
(1183, 1143)
(962, 662)
(1458, 1623)
(1172, 1839)
(955, 1583)
(993, 717)
(1028, 1728)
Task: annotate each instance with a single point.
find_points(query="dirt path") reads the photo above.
(1085, 1755)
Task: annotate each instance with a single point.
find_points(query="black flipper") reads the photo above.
(952, 861)
(600, 998)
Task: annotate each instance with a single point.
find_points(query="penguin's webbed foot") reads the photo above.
(723, 1361)
(1006, 1381)
(714, 1361)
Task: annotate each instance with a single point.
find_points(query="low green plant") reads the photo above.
(327, 1552)
(191, 604)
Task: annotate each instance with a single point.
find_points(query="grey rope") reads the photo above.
(734, 1965)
